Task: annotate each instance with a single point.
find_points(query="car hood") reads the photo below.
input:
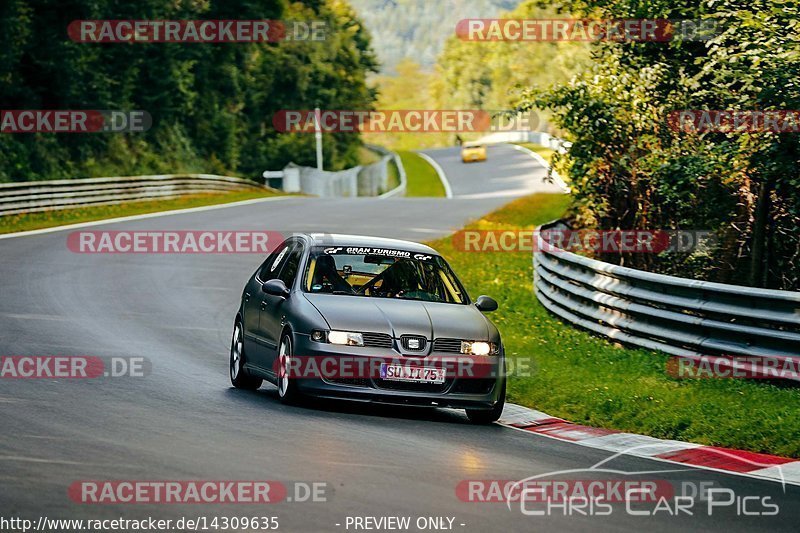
(403, 317)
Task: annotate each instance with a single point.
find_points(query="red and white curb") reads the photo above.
(757, 465)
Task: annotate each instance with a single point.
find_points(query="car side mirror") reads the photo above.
(276, 287)
(486, 303)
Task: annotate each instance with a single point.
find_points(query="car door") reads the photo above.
(273, 316)
(257, 346)
(251, 300)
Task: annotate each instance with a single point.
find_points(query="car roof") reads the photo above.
(364, 241)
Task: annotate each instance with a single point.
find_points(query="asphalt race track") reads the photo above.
(185, 422)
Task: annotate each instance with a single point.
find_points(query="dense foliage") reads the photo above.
(630, 170)
(212, 104)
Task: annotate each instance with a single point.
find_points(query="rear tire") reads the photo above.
(239, 376)
(488, 416)
(287, 385)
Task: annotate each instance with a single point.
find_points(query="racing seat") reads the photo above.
(325, 272)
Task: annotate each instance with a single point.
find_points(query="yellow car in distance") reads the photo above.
(473, 151)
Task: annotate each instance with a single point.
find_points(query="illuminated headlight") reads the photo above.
(347, 338)
(478, 348)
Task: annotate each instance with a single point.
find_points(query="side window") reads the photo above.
(272, 266)
(291, 265)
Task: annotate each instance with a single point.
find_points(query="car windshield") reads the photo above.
(382, 273)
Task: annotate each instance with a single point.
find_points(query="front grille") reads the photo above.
(377, 340)
(447, 345)
(405, 340)
(353, 382)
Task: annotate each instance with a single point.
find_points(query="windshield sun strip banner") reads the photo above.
(385, 252)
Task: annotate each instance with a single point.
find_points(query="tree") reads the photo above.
(212, 104)
(631, 171)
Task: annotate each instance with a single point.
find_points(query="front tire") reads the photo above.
(239, 376)
(488, 416)
(287, 385)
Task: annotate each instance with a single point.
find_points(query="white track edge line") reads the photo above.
(448, 191)
(541, 160)
(142, 216)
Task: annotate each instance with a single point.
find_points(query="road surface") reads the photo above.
(185, 422)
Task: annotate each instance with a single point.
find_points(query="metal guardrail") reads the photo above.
(363, 180)
(400, 190)
(681, 317)
(37, 196)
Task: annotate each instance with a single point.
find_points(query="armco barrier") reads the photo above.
(677, 316)
(37, 196)
(368, 180)
(400, 189)
(327, 184)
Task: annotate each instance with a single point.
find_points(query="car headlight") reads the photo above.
(347, 338)
(478, 348)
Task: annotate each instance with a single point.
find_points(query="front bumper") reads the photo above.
(470, 382)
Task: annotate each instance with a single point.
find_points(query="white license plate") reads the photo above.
(416, 374)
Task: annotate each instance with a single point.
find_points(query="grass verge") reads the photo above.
(394, 176)
(421, 176)
(591, 381)
(48, 219)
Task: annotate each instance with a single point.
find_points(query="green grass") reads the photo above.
(394, 176)
(422, 177)
(31, 221)
(591, 381)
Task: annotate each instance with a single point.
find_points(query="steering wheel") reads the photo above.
(368, 286)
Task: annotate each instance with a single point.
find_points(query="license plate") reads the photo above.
(416, 374)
